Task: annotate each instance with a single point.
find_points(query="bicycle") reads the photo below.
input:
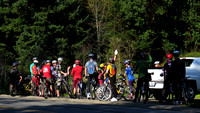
(93, 87)
(27, 85)
(104, 93)
(123, 90)
(64, 87)
(80, 92)
(144, 90)
(186, 91)
(35, 87)
(44, 86)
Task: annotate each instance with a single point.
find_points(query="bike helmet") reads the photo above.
(170, 56)
(54, 61)
(60, 59)
(111, 60)
(35, 62)
(157, 62)
(127, 62)
(176, 53)
(34, 58)
(48, 61)
(15, 64)
(101, 65)
(143, 55)
(77, 62)
(91, 55)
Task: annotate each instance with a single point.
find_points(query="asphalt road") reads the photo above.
(29, 104)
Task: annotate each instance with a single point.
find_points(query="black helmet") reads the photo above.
(15, 64)
(111, 60)
(176, 53)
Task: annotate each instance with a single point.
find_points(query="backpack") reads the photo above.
(90, 67)
(113, 70)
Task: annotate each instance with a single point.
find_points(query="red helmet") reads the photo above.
(169, 56)
(77, 62)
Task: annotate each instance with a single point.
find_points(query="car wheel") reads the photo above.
(190, 93)
(157, 95)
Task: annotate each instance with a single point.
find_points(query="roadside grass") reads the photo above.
(197, 96)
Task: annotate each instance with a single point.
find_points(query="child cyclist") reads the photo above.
(77, 74)
(101, 73)
(131, 78)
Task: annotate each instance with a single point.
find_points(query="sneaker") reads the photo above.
(131, 97)
(176, 103)
(88, 96)
(114, 99)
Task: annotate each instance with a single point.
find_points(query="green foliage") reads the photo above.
(74, 28)
(191, 54)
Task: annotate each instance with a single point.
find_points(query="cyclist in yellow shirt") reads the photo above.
(111, 73)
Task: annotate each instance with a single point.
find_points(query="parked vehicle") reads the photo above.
(192, 72)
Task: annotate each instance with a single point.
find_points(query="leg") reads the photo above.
(138, 89)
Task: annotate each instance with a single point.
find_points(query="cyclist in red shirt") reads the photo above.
(46, 70)
(77, 74)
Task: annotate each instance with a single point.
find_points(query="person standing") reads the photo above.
(131, 78)
(91, 71)
(59, 74)
(167, 75)
(34, 58)
(46, 70)
(15, 77)
(142, 66)
(77, 76)
(111, 73)
(178, 76)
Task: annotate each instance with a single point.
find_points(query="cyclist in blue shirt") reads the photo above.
(131, 78)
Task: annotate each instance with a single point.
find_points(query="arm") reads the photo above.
(116, 52)
(136, 67)
(150, 58)
(31, 68)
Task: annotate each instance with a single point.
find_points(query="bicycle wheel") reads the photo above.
(92, 91)
(127, 93)
(67, 90)
(34, 89)
(184, 95)
(45, 90)
(103, 93)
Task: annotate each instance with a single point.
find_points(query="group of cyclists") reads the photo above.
(174, 72)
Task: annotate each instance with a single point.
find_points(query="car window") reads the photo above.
(188, 62)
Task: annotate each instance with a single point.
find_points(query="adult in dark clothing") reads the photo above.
(167, 75)
(15, 77)
(178, 75)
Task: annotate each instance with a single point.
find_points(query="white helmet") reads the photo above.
(157, 62)
(35, 62)
(60, 59)
(54, 61)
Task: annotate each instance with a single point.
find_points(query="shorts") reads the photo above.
(49, 80)
(36, 79)
(130, 83)
(76, 82)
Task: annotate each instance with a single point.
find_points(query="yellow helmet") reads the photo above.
(101, 65)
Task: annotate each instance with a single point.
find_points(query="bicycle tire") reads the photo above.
(103, 93)
(45, 91)
(92, 91)
(67, 90)
(126, 93)
(34, 89)
(184, 95)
